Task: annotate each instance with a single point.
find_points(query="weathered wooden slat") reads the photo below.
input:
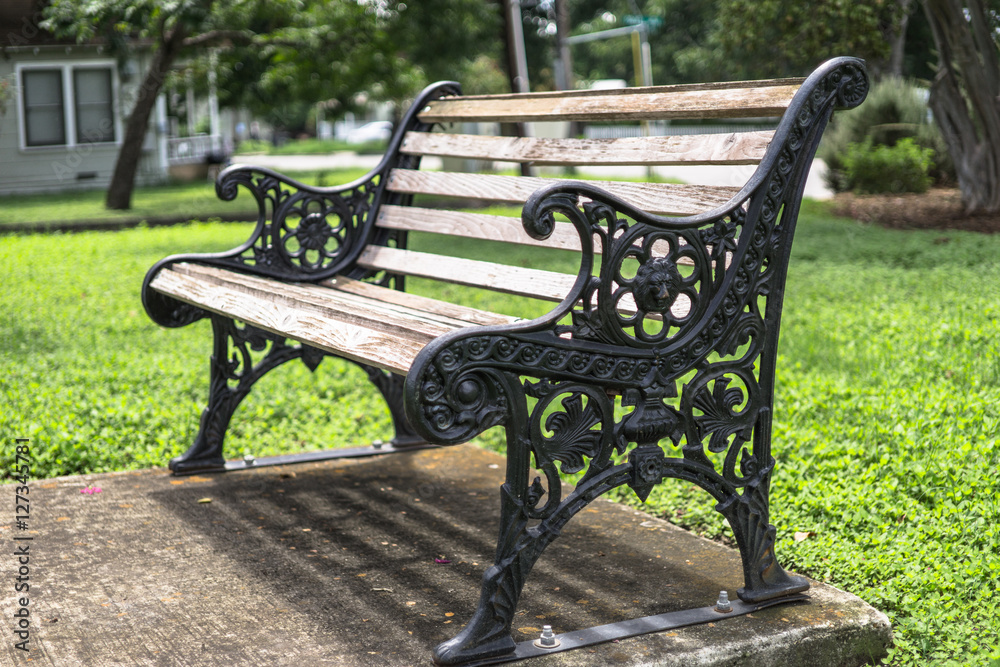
(350, 307)
(695, 149)
(643, 90)
(656, 103)
(535, 283)
(393, 352)
(663, 198)
(460, 313)
(476, 226)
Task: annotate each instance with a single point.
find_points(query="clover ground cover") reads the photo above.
(886, 414)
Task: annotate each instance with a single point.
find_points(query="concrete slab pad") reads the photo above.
(341, 563)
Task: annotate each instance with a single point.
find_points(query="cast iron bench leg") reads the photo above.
(233, 374)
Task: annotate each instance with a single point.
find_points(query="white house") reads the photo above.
(62, 109)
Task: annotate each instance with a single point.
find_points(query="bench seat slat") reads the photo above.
(366, 310)
(475, 225)
(379, 333)
(536, 283)
(697, 149)
(741, 100)
(377, 348)
(662, 198)
(465, 314)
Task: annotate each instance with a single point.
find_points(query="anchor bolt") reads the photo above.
(548, 639)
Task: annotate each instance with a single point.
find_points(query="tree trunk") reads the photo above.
(119, 195)
(897, 40)
(965, 97)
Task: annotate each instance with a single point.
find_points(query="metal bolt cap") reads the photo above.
(548, 639)
(722, 605)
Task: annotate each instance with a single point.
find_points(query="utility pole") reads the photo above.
(564, 73)
(515, 44)
(517, 68)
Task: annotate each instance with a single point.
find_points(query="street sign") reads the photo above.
(652, 22)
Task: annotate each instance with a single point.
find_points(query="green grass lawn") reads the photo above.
(178, 201)
(886, 415)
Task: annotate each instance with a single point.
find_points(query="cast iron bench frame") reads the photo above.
(326, 265)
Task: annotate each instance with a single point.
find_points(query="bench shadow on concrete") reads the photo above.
(355, 546)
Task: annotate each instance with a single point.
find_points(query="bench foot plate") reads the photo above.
(305, 457)
(600, 634)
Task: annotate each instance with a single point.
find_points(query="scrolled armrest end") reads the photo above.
(449, 397)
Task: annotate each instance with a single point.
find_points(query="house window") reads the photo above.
(44, 119)
(95, 118)
(67, 105)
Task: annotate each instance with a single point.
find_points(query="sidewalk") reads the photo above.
(342, 563)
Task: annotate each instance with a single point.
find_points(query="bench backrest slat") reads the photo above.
(517, 280)
(693, 149)
(475, 226)
(663, 198)
(738, 100)
(435, 205)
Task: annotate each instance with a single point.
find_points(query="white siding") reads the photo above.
(57, 168)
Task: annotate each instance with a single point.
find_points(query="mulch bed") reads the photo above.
(939, 208)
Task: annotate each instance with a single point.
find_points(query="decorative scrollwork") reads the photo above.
(457, 407)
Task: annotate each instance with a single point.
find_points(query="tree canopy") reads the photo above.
(274, 51)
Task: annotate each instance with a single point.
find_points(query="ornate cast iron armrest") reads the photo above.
(303, 232)
(668, 294)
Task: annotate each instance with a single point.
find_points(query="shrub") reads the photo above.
(872, 169)
(894, 110)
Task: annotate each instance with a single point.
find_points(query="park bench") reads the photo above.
(656, 361)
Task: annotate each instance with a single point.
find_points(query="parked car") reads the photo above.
(379, 130)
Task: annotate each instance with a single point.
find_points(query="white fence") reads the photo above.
(188, 150)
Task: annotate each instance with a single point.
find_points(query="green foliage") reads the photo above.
(873, 169)
(278, 58)
(886, 421)
(735, 39)
(790, 37)
(767, 38)
(895, 109)
(118, 21)
(389, 50)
